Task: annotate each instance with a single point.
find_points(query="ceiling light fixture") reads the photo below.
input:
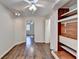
(33, 8)
(33, 4)
(17, 14)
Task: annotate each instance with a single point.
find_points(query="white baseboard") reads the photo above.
(39, 42)
(10, 49)
(54, 54)
(47, 42)
(20, 43)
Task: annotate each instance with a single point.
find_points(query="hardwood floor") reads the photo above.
(64, 55)
(30, 50)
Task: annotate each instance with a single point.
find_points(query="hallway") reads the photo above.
(38, 29)
(30, 50)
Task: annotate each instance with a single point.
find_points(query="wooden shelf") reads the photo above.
(72, 43)
(68, 18)
(74, 11)
(70, 50)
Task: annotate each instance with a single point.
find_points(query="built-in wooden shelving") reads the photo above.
(69, 50)
(73, 14)
(74, 11)
(68, 18)
(71, 44)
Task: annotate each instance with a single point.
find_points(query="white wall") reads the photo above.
(54, 30)
(6, 31)
(19, 28)
(73, 6)
(12, 31)
(39, 30)
(47, 31)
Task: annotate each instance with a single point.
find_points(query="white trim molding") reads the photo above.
(54, 54)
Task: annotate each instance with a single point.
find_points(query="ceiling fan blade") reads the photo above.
(30, 8)
(39, 5)
(26, 6)
(35, 1)
(27, 1)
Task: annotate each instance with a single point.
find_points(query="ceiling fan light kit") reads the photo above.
(17, 14)
(32, 8)
(32, 5)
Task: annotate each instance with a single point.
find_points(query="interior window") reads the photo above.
(28, 27)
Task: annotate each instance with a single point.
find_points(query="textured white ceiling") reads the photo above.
(15, 5)
(20, 4)
(70, 3)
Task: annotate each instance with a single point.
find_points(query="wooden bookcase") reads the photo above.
(67, 30)
(60, 12)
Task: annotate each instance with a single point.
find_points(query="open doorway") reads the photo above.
(29, 32)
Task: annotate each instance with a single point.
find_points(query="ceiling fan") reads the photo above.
(33, 4)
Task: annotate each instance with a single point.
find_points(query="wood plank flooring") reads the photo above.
(30, 50)
(64, 55)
